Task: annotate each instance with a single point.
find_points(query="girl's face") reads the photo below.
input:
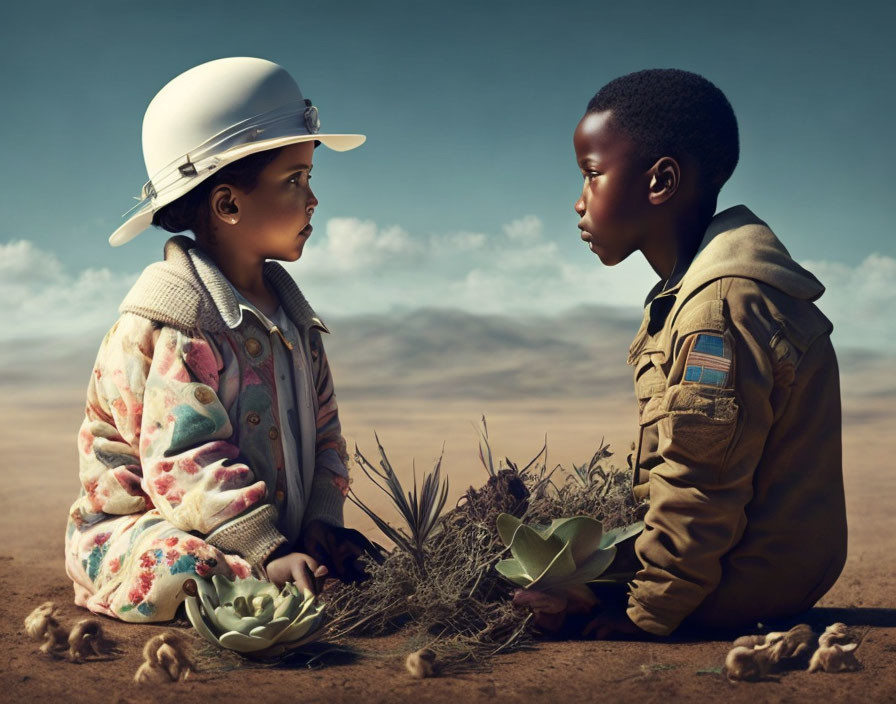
(274, 220)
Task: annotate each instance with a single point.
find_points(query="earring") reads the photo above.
(233, 221)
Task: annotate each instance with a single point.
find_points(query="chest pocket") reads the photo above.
(650, 380)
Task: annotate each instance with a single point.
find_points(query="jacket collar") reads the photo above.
(188, 291)
(737, 243)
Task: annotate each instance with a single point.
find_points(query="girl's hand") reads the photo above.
(338, 548)
(296, 567)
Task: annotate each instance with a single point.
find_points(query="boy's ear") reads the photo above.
(665, 177)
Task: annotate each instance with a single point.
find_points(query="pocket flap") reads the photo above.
(706, 317)
(713, 404)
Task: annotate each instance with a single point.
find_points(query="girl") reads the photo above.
(211, 442)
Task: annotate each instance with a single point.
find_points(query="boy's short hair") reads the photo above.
(669, 112)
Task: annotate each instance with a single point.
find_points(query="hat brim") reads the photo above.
(142, 219)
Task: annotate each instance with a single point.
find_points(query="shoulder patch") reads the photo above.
(709, 361)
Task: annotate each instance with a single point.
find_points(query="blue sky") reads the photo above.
(469, 110)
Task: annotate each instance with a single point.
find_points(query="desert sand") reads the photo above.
(39, 468)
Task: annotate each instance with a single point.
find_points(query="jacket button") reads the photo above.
(273, 433)
(204, 395)
(279, 495)
(253, 347)
(253, 418)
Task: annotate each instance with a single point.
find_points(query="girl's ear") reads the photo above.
(223, 206)
(665, 178)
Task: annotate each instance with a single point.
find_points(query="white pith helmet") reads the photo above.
(212, 115)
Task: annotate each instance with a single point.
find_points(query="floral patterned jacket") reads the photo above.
(182, 414)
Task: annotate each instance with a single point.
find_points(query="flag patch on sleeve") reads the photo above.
(709, 361)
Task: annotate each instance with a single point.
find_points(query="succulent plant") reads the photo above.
(252, 616)
(563, 556)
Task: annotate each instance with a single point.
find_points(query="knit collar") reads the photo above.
(189, 291)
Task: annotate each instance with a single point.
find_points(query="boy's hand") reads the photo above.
(610, 624)
(550, 610)
(296, 567)
(338, 549)
(554, 613)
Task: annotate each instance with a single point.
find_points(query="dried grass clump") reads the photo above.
(165, 660)
(837, 650)
(87, 638)
(445, 590)
(748, 664)
(835, 658)
(456, 597)
(42, 624)
(837, 634)
(604, 493)
(755, 657)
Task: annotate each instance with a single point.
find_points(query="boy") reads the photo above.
(739, 451)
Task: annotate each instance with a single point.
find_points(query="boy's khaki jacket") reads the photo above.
(747, 518)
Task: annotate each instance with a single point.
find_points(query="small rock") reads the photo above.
(41, 624)
(422, 663)
(165, 660)
(836, 634)
(86, 639)
(835, 658)
(748, 664)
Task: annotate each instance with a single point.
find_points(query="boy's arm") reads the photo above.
(161, 390)
(330, 482)
(712, 429)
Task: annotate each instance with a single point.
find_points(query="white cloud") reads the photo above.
(21, 264)
(519, 269)
(42, 301)
(353, 245)
(525, 229)
(357, 267)
(459, 241)
(859, 300)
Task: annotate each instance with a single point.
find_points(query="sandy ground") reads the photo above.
(36, 447)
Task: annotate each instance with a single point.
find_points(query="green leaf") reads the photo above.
(514, 571)
(532, 551)
(507, 525)
(243, 643)
(194, 613)
(288, 605)
(582, 533)
(309, 621)
(270, 631)
(228, 619)
(594, 566)
(560, 568)
(617, 535)
(282, 615)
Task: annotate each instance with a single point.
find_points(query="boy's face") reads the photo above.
(614, 206)
(275, 217)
